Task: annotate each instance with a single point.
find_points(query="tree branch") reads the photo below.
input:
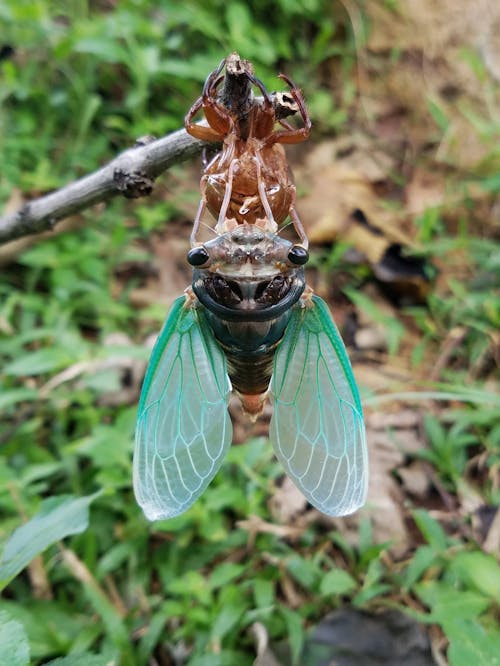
(131, 174)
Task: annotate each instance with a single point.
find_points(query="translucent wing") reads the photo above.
(183, 429)
(317, 428)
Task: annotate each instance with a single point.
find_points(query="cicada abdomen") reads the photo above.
(247, 287)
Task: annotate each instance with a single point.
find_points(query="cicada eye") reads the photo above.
(197, 256)
(298, 255)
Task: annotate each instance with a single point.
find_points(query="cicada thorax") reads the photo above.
(251, 165)
(247, 287)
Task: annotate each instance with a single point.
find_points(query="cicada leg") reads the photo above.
(270, 222)
(200, 131)
(292, 135)
(297, 224)
(263, 122)
(221, 221)
(218, 117)
(199, 213)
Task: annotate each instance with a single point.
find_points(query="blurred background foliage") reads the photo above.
(79, 82)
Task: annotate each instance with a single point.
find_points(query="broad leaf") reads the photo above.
(59, 517)
(14, 648)
(85, 659)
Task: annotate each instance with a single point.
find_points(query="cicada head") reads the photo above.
(248, 274)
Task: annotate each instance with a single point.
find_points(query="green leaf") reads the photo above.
(14, 647)
(478, 570)
(337, 581)
(304, 571)
(8, 398)
(421, 560)
(58, 517)
(50, 628)
(263, 591)
(374, 573)
(295, 630)
(86, 659)
(431, 530)
(491, 183)
(104, 49)
(49, 359)
(471, 643)
(111, 619)
(192, 584)
(228, 617)
(225, 573)
(449, 604)
(438, 114)
(371, 592)
(222, 658)
(152, 635)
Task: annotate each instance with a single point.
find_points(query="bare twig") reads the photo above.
(131, 174)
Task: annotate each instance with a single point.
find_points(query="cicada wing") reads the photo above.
(183, 428)
(317, 428)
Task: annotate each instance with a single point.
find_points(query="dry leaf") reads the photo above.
(385, 499)
(415, 479)
(492, 541)
(425, 189)
(265, 657)
(433, 67)
(342, 204)
(287, 502)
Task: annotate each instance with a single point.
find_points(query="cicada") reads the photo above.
(249, 325)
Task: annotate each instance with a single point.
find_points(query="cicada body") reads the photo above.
(249, 324)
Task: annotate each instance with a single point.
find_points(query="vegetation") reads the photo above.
(85, 579)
